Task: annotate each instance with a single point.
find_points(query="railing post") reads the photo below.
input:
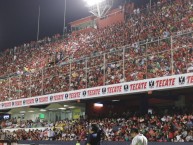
(124, 64)
(172, 55)
(146, 55)
(70, 74)
(158, 41)
(42, 81)
(30, 83)
(86, 72)
(19, 86)
(9, 87)
(104, 71)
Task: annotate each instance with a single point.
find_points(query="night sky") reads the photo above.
(19, 18)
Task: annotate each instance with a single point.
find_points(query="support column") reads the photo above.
(143, 104)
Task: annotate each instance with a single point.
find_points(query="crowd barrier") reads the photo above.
(102, 143)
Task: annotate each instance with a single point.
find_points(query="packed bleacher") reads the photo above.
(172, 125)
(152, 42)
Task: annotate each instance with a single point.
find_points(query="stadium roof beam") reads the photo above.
(99, 8)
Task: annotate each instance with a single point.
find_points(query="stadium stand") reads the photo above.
(153, 42)
(168, 126)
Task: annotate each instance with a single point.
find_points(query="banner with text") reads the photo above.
(169, 82)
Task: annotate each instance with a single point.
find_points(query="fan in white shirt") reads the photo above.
(138, 139)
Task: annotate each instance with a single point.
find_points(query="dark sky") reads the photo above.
(18, 18)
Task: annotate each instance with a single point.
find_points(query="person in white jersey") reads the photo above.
(138, 139)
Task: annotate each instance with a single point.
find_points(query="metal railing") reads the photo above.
(148, 59)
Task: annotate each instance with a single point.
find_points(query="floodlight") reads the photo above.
(93, 2)
(115, 100)
(21, 112)
(71, 107)
(98, 105)
(62, 108)
(52, 109)
(99, 8)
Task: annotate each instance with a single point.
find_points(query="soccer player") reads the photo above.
(138, 139)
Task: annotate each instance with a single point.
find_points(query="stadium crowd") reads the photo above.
(171, 126)
(153, 42)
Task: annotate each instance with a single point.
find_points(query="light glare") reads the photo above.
(22, 112)
(115, 100)
(98, 105)
(93, 2)
(62, 108)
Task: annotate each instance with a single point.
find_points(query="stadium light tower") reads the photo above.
(99, 8)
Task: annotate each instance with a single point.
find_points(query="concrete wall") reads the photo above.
(102, 143)
(113, 18)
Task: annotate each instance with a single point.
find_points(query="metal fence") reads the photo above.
(151, 58)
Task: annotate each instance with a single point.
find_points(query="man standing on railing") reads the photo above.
(138, 139)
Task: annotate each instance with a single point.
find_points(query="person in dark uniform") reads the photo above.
(94, 136)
